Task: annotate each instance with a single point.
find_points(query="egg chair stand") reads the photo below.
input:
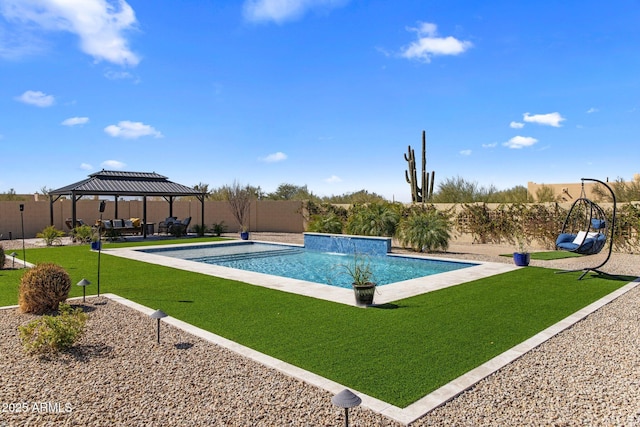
(586, 230)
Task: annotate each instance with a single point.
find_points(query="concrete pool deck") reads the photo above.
(384, 294)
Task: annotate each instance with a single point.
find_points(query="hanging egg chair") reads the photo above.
(586, 229)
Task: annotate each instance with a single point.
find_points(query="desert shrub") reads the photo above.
(627, 227)
(84, 234)
(424, 231)
(543, 222)
(217, 228)
(43, 288)
(199, 229)
(51, 235)
(476, 220)
(2, 257)
(329, 223)
(51, 334)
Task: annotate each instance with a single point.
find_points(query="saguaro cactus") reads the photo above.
(422, 193)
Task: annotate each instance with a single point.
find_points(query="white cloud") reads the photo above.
(275, 157)
(491, 145)
(516, 125)
(592, 110)
(465, 152)
(131, 130)
(520, 142)
(333, 179)
(428, 44)
(37, 98)
(118, 75)
(99, 24)
(284, 10)
(550, 119)
(86, 166)
(73, 121)
(113, 164)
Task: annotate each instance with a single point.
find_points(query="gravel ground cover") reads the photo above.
(118, 375)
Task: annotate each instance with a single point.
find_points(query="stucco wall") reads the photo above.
(265, 215)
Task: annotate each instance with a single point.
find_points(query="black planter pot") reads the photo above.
(244, 235)
(364, 293)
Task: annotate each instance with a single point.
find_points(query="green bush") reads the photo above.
(376, 219)
(329, 223)
(199, 229)
(217, 228)
(84, 234)
(51, 235)
(424, 231)
(43, 288)
(51, 334)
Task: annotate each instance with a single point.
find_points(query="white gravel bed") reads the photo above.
(118, 375)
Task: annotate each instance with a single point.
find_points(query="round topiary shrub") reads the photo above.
(43, 288)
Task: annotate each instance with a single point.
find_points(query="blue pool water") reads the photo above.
(312, 266)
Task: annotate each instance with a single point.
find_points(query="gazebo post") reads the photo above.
(144, 217)
(202, 199)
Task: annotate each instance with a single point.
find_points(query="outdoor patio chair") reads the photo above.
(179, 228)
(163, 226)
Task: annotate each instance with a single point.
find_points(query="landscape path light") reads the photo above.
(24, 253)
(158, 314)
(346, 399)
(83, 283)
(102, 206)
(13, 259)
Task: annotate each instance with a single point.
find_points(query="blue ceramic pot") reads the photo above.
(521, 259)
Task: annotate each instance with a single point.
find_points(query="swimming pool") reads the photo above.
(384, 294)
(312, 266)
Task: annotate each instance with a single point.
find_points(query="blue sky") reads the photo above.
(323, 93)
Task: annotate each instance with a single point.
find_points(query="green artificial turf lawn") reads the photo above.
(397, 353)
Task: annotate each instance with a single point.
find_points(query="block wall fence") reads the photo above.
(264, 215)
(279, 216)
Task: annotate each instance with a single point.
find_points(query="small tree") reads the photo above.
(545, 194)
(239, 199)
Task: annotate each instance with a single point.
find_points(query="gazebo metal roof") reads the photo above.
(118, 183)
(126, 184)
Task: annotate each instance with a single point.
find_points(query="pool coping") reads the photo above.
(384, 294)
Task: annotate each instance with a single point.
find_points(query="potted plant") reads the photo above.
(521, 257)
(362, 282)
(239, 198)
(244, 233)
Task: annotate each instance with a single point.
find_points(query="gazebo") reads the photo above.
(118, 183)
